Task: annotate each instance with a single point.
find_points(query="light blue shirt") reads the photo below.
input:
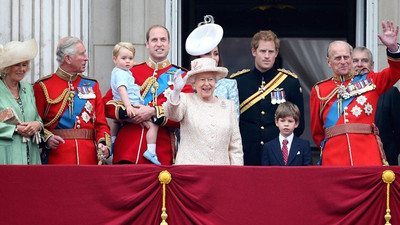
(120, 77)
(227, 88)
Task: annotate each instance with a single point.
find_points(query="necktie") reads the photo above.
(285, 151)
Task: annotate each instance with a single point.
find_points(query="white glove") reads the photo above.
(179, 83)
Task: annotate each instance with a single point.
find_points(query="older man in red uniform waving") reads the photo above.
(343, 107)
(70, 104)
(155, 78)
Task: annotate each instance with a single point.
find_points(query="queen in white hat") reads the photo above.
(20, 123)
(203, 42)
(208, 124)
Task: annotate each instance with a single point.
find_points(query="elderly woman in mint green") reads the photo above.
(20, 123)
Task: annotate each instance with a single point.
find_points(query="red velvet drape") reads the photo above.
(209, 195)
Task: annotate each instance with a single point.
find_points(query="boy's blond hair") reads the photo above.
(126, 45)
(287, 109)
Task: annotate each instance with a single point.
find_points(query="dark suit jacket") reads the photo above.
(299, 155)
(387, 119)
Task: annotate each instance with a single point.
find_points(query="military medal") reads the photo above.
(88, 107)
(86, 93)
(85, 117)
(278, 97)
(282, 93)
(273, 98)
(170, 78)
(262, 86)
(361, 99)
(357, 88)
(343, 92)
(356, 111)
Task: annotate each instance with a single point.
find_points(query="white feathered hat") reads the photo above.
(15, 52)
(204, 38)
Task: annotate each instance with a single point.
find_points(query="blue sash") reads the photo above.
(162, 84)
(66, 122)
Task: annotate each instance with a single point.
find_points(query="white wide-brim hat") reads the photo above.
(203, 39)
(202, 65)
(15, 52)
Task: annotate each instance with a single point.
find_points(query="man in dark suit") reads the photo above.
(387, 110)
(286, 149)
(261, 90)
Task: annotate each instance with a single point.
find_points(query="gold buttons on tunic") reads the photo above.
(262, 143)
(262, 113)
(262, 127)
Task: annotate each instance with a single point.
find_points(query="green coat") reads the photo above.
(12, 149)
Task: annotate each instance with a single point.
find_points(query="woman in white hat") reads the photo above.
(209, 127)
(203, 42)
(20, 124)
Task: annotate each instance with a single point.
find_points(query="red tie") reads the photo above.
(285, 151)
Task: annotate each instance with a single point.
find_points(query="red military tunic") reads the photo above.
(350, 148)
(54, 96)
(130, 143)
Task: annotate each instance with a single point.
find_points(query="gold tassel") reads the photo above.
(164, 177)
(388, 177)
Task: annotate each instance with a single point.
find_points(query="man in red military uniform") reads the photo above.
(343, 107)
(72, 110)
(155, 78)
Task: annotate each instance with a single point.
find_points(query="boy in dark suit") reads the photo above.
(287, 149)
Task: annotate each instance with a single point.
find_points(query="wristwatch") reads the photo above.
(16, 130)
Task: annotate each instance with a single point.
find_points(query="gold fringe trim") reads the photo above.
(64, 97)
(288, 72)
(388, 177)
(164, 177)
(243, 71)
(325, 100)
(146, 85)
(117, 105)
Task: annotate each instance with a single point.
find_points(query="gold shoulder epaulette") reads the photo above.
(86, 77)
(239, 73)
(44, 78)
(183, 69)
(288, 73)
(322, 81)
